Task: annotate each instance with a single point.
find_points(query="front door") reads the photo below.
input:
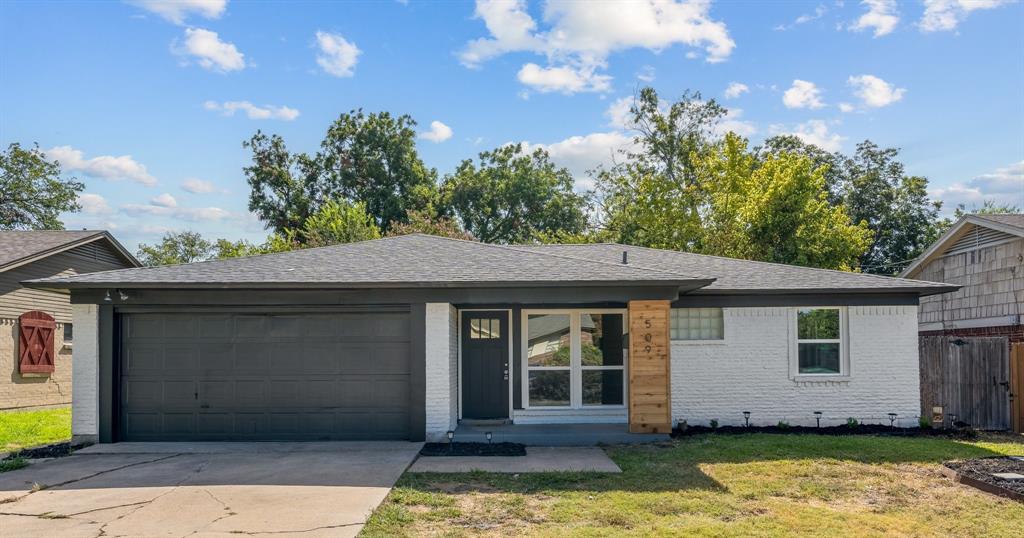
(485, 367)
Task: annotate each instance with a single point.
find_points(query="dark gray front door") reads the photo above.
(241, 376)
(485, 366)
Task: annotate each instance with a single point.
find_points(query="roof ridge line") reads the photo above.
(560, 256)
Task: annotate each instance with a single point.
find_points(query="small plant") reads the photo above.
(12, 464)
(852, 422)
(925, 423)
(782, 425)
(682, 426)
(713, 424)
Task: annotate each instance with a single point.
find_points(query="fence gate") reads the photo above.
(1017, 387)
(968, 377)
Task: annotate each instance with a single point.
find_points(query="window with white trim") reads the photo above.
(819, 341)
(696, 324)
(574, 359)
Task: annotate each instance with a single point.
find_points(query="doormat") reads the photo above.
(473, 449)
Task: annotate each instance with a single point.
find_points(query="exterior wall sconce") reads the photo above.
(106, 298)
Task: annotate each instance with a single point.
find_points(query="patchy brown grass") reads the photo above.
(715, 485)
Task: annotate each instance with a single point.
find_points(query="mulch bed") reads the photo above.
(53, 450)
(978, 473)
(473, 449)
(860, 429)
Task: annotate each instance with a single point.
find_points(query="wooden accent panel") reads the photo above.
(1017, 387)
(650, 408)
(35, 342)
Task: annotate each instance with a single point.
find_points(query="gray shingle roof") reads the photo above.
(740, 276)
(16, 246)
(407, 261)
(1017, 221)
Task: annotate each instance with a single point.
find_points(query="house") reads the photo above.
(414, 336)
(24, 381)
(974, 338)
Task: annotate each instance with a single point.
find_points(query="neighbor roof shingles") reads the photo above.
(19, 245)
(737, 276)
(410, 260)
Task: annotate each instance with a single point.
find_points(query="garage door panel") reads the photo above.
(213, 376)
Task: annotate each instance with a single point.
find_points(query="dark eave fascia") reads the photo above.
(920, 291)
(687, 285)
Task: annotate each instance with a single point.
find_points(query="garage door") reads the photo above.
(241, 376)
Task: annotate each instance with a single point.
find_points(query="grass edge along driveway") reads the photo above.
(21, 429)
(720, 485)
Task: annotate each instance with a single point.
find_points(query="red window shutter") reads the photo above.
(35, 342)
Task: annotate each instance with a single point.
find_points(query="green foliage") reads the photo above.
(875, 190)
(852, 422)
(988, 207)
(237, 249)
(924, 422)
(32, 194)
(23, 429)
(713, 424)
(13, 464)
(782, 425)
(514, 197)
(338, 222)
(425, 222)
(365, 158)
(176, 248)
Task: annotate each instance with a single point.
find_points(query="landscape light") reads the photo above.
(817, 417)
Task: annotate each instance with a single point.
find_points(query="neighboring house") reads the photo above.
(414, 336)
(980, 379)
(27, 255)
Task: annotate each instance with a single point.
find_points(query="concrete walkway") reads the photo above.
(211, 490)
(537, 459)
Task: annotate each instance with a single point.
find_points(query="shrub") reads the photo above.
(925, 423)
(852, 422)
(782, 425)
(713, 424)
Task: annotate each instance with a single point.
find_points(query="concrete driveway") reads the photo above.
(203, 490)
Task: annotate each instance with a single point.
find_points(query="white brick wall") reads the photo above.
(442, 370)
(85, 401)
(750, 371)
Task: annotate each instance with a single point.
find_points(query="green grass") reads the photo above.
(719, 485)
(12, 464)
(20, 429)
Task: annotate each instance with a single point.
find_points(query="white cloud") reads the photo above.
(582, 153)
(564, 79)
(1003, 186)
(209, 51)
(802, 94)
(338, 56)
(945, 15)
(736, 89)
(805, 18)
(190, 214)
(874, 92)
(732, 123)
(265, 112)
(882, 16)
(164, 200)
(813, 132)
(93, 204)
(199, 186)
(177, 11)
(618, 113)
(846, 107)
(438, 132)
(646, 74)
(581, 35)
(104, 166)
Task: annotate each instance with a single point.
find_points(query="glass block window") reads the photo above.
(697, 324)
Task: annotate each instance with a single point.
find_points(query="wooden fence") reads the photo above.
(968, 377)
(1017, 387)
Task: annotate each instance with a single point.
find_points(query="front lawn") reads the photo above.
(720, 485)
(20, 429)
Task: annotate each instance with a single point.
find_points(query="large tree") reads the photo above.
(875, 189)
(426, 222)
(176, 248)
(32, 193)
(364, 158)
(512, 196)
(653, 195)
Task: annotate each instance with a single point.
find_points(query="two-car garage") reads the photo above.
(193, 374)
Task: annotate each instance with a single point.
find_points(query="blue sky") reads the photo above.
(148, 101)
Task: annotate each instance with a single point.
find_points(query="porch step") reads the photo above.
(555, 434)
